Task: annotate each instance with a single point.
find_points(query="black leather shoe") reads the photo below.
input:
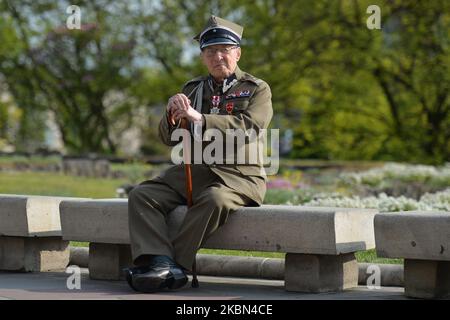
(162, 273)
(177, 278)
(129, 272)
(151, 281)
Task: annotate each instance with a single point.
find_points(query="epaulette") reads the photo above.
(251, 78)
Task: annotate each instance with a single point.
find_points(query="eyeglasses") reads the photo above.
(210, 52)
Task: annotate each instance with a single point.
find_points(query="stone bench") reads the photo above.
(30, 234)
(319, 242)
(423, 240)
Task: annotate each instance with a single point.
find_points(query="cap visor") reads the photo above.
(218, 41)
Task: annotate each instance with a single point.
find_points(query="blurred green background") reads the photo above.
(340, 90)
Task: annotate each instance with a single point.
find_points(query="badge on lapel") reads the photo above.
(230, 96)
(244, 93)
(229, 107)
(238, 94)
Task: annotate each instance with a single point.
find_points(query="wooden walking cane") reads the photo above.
(187, 170)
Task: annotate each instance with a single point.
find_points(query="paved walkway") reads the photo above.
(52, 285)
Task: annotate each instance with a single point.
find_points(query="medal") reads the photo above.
(215, 100)
(214, 110)
(229, 107)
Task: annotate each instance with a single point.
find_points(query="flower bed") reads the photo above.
(439, 201)
(396, 179)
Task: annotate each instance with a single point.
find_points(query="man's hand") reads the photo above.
(179, 106)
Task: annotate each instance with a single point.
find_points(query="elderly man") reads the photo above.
(227, 98)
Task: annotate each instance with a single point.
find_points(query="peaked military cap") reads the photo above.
(219, 31)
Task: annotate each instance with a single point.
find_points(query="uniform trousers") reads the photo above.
(150, 203)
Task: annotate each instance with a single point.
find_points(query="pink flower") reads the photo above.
(302, 185)
(279, 184)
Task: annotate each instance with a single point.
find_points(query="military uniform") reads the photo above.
(242, 101)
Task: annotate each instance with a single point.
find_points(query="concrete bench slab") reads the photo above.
(423, 240)
(30, 233)
(313, 238)
(29, 216)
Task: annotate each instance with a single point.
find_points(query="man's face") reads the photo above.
(221, 60)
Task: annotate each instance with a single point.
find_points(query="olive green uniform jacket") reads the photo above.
(245, 103)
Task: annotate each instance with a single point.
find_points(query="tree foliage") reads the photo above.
(348, 92)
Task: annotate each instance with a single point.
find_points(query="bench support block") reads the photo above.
(28, 254)
(427, 279)
(106, 261)
(320, 273)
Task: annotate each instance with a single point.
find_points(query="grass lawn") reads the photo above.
(54, 184)
(368, 256)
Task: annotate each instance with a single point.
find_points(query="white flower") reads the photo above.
(377, 177)
(439, 200)
(429, 202)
